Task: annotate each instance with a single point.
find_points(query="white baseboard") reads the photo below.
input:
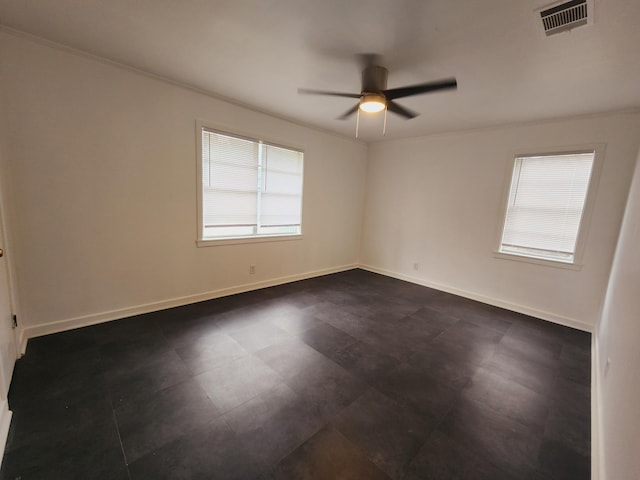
(21, 338)
(92, 319)
(95, 318)
(550, 317)
(5, 423)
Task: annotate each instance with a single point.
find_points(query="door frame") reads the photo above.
(5, 412)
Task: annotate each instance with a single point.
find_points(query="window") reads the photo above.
(248, 188)
(546, 204)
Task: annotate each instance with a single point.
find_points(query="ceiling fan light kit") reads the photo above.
(373, 102)
(375, 97)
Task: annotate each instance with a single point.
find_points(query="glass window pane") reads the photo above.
(249, 188)
(546, 201)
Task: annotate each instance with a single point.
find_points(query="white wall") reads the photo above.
(617, 339)
(103, 210)
(438, 201)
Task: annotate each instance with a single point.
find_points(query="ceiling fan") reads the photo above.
(374, 95)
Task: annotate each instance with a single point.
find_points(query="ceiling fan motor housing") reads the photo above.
(374, 79)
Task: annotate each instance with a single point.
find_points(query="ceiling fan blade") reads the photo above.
(309, 91)
(349, 112)
(447, 83)
(399, 110)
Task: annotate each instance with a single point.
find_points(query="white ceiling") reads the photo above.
(258, 52)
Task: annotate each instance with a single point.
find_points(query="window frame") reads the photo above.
(587, 211)
(201, 126)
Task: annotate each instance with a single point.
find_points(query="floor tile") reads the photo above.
(503, 442)
(165, 370)
(273, 424)
(367, 363)
(326, 338)
(446, 368)
(434, 318)
(441, 458)
(241, 318)
(300, 319)
(328, 454)
(60, 345)
(146, 424)
(49, 376)
(451, 304)
(389, 311)
(211, 351)
(563, 463)
(577, 338)
(389, 434)
(570, 429)
(44, 420)
(253, 315)
(121, 356)
(139, 326)
(571, 398)
(538, 340)
(289, 358)
(529, 373)
(326, 385)
(208, 452)
(484, 315)
(190, 332)
(414, 386)
(92, 451)
(351, 320)
(508, 398)
(340, 297)
(301, 299)
(256, 337)
(531, 351)
(398, 337)
(575, 364)
(538, 332)
(232, 383)
(468, 342)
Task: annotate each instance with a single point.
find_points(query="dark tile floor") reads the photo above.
(346, 376)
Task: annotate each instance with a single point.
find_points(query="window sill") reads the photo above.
(242, 240)
(537, 261)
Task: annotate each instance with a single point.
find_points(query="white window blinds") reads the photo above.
(229, 177)
(281, 187)
(249, 188)
(545, 205)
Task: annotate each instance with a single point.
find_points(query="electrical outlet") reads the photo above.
(252, 269)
